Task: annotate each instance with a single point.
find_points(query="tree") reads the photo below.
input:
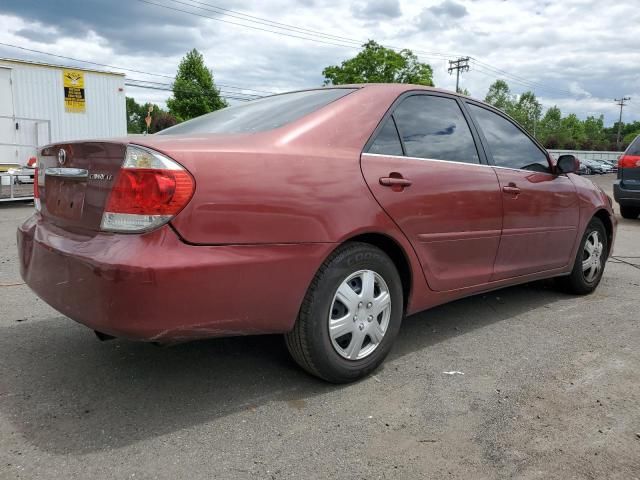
(595, 135)
(549, 129)
(499, 95)
(136, 113)
(377, 64)
(573, 131)
(526, 111)
(133, 116)
(194, 92)
(628, 138)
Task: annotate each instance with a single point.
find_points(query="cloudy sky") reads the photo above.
(577, 54)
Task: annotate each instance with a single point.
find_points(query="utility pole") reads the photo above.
(621, 102)
(461, 64)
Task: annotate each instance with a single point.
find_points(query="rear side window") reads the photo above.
(260, 115)
(509, 146)
(387, 142)
(434, 127)
(634, 148)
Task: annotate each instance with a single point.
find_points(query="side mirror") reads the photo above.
(568, 164)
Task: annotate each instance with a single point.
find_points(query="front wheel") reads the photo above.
(350, 315)
(590, 260)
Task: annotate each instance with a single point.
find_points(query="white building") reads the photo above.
(42, 103)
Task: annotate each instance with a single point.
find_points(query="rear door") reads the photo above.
(423, 167)
(541, 209)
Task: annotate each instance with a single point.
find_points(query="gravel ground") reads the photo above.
(550, 389)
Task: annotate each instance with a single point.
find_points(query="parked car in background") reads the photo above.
(626, 189)
(326, 215)
(595, 167)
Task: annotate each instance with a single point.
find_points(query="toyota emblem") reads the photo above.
(62, 156)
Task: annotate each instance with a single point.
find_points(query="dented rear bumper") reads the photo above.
(154, 287)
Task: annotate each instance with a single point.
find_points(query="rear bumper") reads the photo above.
(154, 287)
(625, 196)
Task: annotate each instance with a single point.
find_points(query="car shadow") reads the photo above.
(66, 392)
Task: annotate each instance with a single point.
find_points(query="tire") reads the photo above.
(588, 172)
(333, 297)
(583, 281)
(629, 212)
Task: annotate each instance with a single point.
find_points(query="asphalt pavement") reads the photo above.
(524, 382)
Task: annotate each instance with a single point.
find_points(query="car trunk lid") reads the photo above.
(74, 182)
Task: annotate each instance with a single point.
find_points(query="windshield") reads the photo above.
(260, 115)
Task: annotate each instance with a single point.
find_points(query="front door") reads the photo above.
(423, 167)
(541, 209)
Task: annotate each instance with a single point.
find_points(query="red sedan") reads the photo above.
(325, 214)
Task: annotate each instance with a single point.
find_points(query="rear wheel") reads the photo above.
(350, 316)
(590, 260)
(629, 212)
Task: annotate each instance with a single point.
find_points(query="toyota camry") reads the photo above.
(326, 215)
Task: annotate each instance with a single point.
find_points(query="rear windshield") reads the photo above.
(260, 115)
(634, 148)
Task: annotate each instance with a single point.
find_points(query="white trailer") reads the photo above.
(43, 103)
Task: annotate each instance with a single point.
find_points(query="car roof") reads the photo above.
(388, 87)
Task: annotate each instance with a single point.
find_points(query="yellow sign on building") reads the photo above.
(74, 100)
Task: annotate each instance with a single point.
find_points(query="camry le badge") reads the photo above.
(103, 177)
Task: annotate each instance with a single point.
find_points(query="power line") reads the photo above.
(621, 102)
(311, 35)
(115, 67)
(493, 71)
(250, 96)
(288, 27)
(188, 92)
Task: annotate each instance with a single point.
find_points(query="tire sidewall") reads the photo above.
(330, 364)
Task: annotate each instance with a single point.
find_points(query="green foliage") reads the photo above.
(526, 111)
(136, 113)
(194, 92)
(552, 129)
(630, 137)
(377, 64)
(499, 95)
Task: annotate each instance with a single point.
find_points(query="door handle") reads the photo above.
(512, 189)
(395, 181)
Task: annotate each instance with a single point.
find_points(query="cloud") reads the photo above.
(581, 68)
(450, 9)
(442, 16)
(377, 9)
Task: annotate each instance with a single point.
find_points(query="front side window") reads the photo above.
(509, 146)
(260, 115)
(435, 128)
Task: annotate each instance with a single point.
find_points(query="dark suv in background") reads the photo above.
(626, 189)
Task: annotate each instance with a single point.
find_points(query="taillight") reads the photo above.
(629, 161)
(150, 190)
